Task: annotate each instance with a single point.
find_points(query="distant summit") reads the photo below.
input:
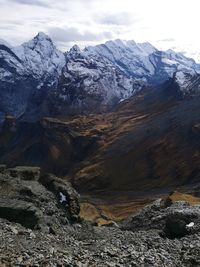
(39, 80)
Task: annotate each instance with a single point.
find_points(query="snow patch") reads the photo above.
(190, 225)
(62, 198)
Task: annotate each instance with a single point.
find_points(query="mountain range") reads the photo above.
(37, 80)
(135, 123)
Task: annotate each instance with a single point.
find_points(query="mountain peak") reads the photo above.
(40, 41)
(40, 56)
(42, 37)
(76, 49)
(116, 42)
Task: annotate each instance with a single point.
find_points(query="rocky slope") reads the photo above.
(150, 142)
(38, 80)
(51, 144)
(156, 236)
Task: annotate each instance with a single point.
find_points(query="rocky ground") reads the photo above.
(165, 233)
(87, 245)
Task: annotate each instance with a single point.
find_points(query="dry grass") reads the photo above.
(89, 212)
(120, 211)
(177, 196)
(106, 213)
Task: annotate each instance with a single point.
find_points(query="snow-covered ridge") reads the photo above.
(142, 60)
(42, 59)
(37, 78)
(130, 57)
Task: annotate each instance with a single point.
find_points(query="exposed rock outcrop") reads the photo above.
(175, 221)
(36, 199)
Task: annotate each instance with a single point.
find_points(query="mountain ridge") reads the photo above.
(38, 80)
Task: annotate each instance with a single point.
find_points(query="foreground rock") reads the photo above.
(36, 200)
(84, 245)
(174, 221)
(140, 241)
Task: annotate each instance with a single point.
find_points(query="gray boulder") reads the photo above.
(174, 221)
(20, 211)
(36, 199)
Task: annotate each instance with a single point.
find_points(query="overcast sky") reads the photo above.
(164, 23)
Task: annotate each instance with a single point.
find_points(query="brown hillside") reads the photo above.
(149, 143)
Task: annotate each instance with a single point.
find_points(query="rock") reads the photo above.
(63, 188)
(21, 212)
(14, 230)
(52, 230)
(2, 167)
(135, 242)
(26, 173)
(32, 198)
(166, 202)
(111, 223)
(175, 226)
(19, 260)
(32, 235)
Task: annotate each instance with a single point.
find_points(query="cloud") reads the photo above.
(11, 22)
(32, 2)
(167, 40)
(95, 21)
(72, 34)
(116, 19)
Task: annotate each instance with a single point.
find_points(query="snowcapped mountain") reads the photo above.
(41, 57)
(91, 83)
(27, 73)
(36, 79)
(131, 58)
(142, 60)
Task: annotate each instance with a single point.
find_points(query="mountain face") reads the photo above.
(38, 80)
(41, 58)
(189, 83)
(142, 60)
(148, 142)
(27, 73)
(88, 83)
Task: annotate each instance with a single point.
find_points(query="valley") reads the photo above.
(132, 150)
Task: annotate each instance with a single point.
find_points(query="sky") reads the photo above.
(164, 23)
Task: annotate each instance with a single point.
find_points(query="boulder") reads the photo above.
(176, 225)
(33, 198)
(25, 172)
(66, 195)
(174, 221)
(20, 211)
